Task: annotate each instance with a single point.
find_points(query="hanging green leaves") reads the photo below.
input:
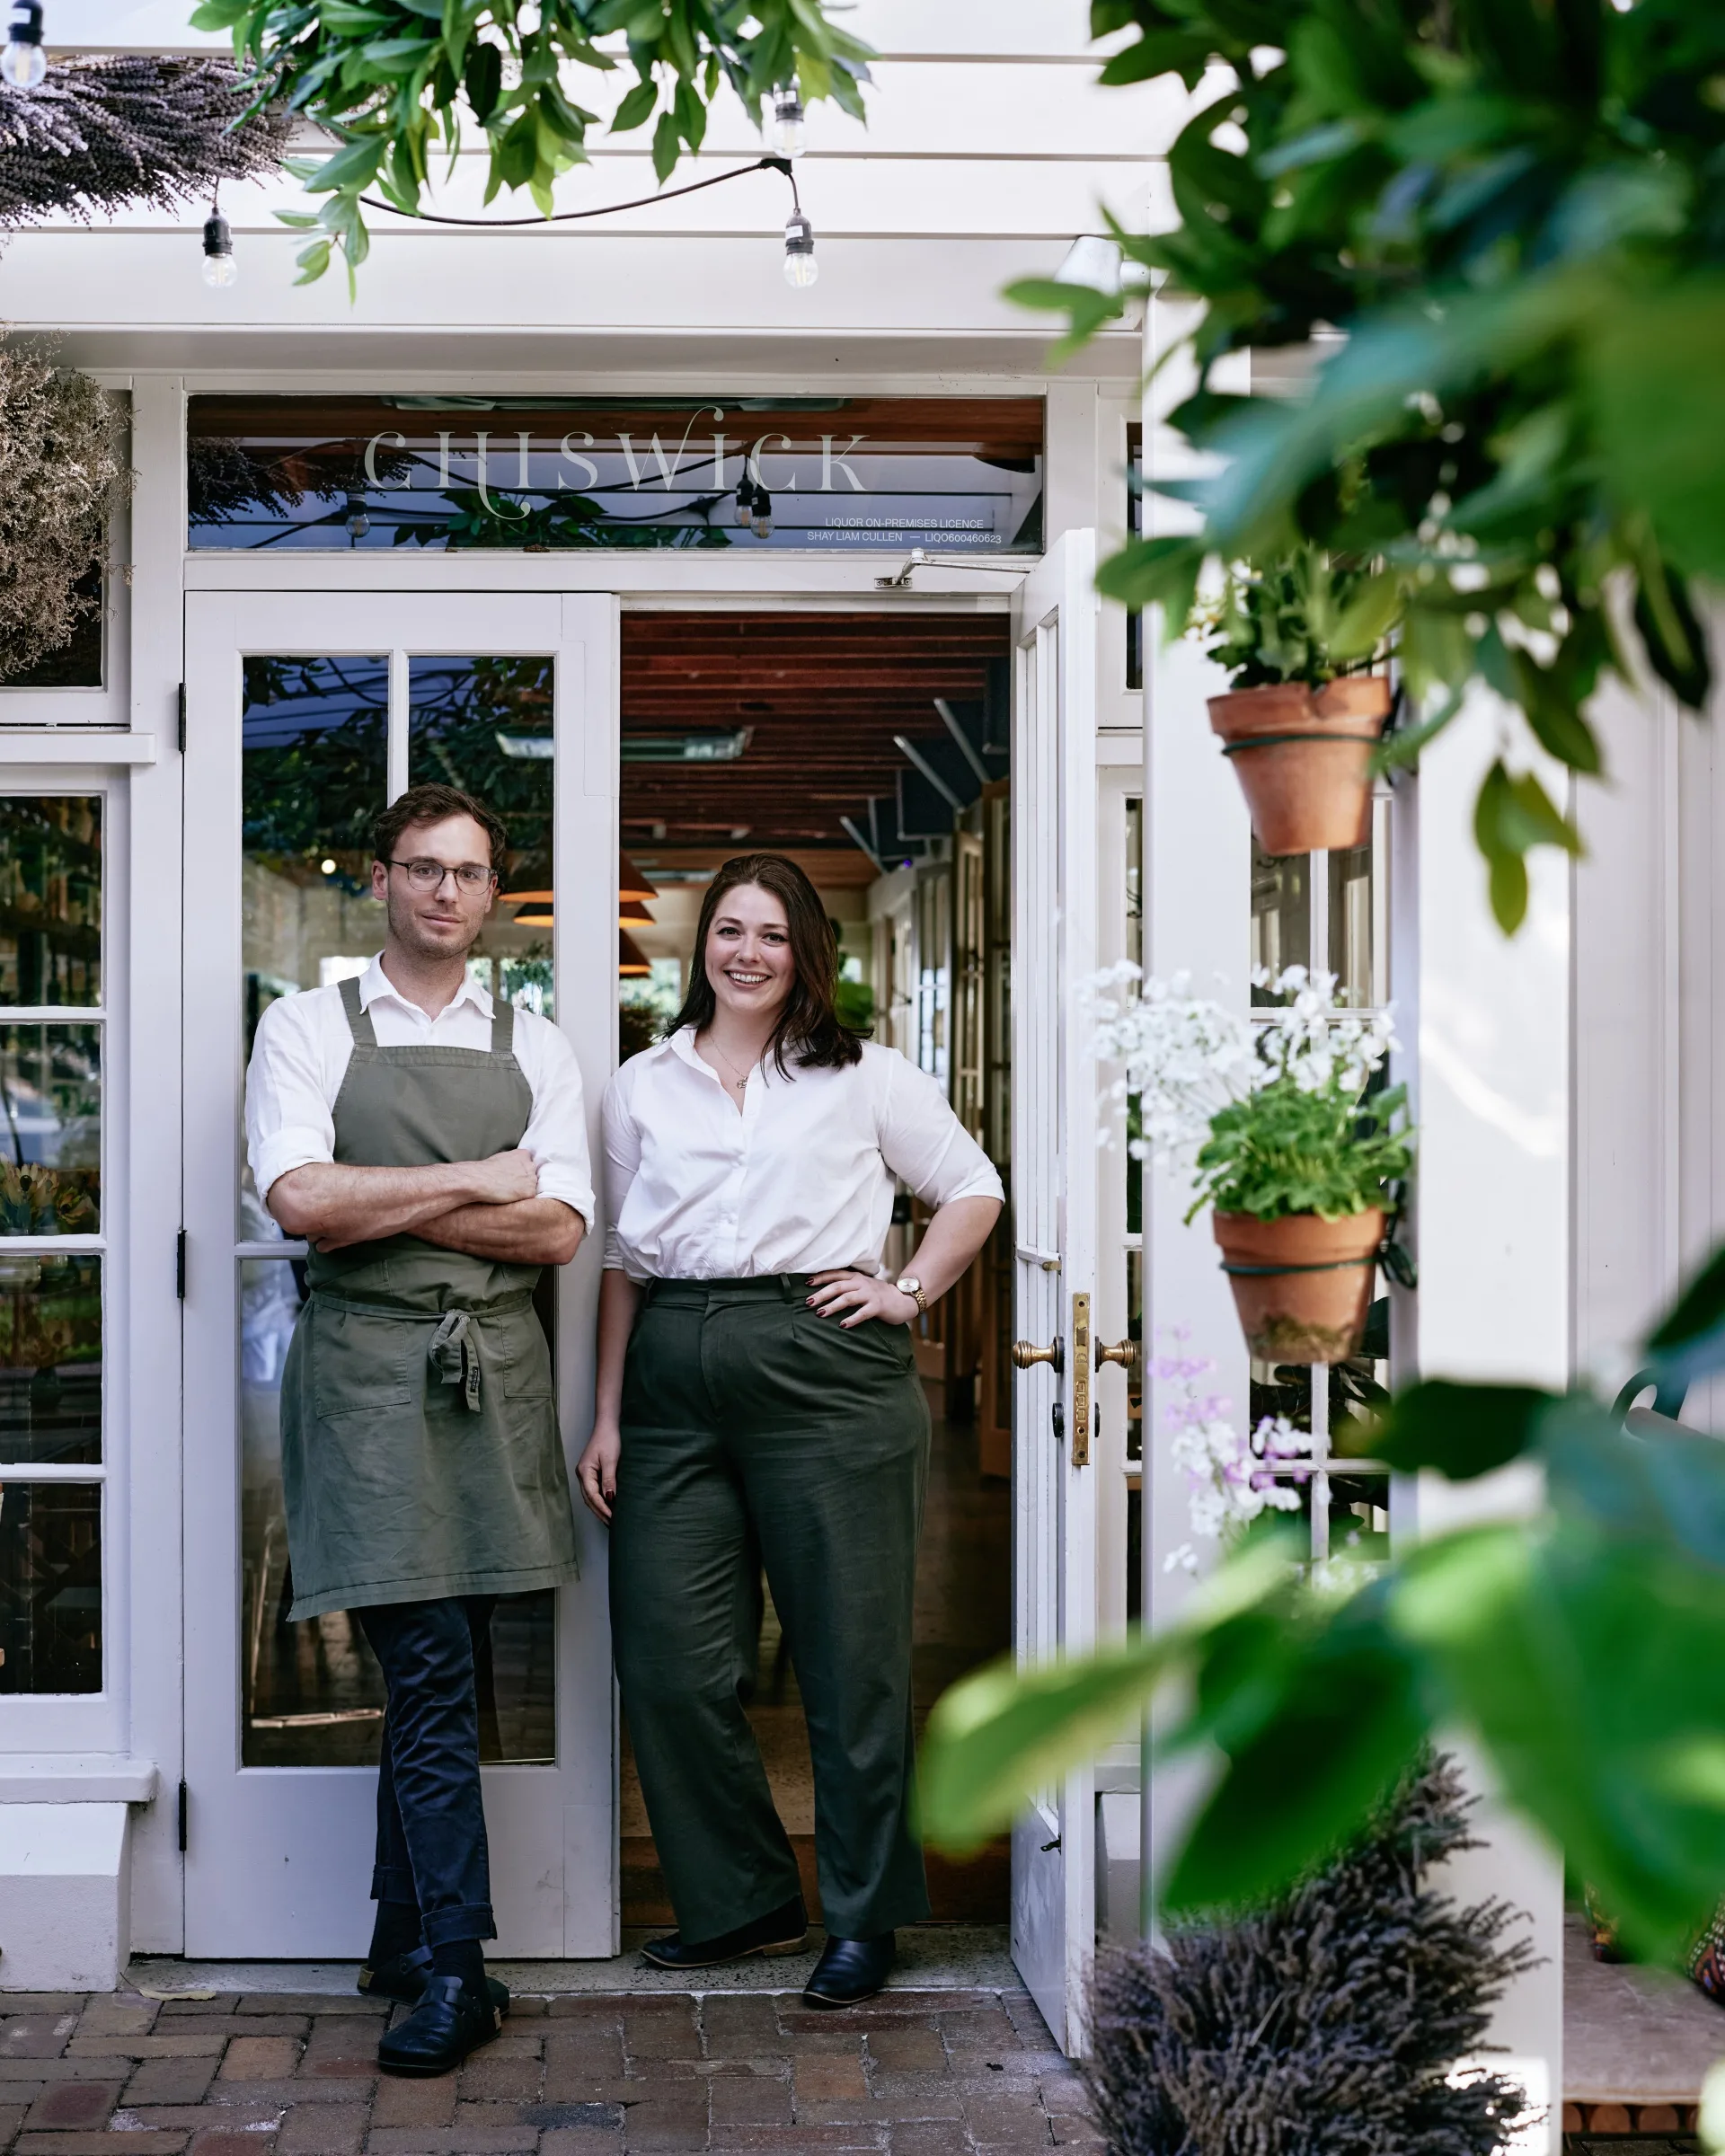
(394, 81)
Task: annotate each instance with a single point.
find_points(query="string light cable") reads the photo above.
(801, 268)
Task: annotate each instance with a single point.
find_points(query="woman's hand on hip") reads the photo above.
(862, 1297)
(596, 1470)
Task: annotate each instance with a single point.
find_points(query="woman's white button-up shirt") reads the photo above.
(801, 1182)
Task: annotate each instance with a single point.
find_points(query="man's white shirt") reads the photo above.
(300, 1057)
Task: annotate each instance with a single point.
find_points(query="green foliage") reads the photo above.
(1303, 617)
(1583, 1649)
(392, 80)
(1516, 213)
(1286, 1150)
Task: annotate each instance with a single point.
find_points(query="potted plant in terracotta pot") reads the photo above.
(1304, 638)
(1281, 1125)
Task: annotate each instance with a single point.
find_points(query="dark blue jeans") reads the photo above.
(431, 1847)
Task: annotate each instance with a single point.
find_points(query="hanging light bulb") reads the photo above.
(789, 132)
(745, 499)
(220, 268)
(23, 63)
(761, 523)
(356, 521)
(801, 268)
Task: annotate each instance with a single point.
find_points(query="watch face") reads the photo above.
(907, 1286)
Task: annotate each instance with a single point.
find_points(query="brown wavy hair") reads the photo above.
(810, 1027)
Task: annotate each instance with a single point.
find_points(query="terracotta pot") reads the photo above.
(1301, 1286)
(1302, 757)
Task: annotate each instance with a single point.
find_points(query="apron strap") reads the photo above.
(453, 1355)
(502, 1026)
(359, 1019)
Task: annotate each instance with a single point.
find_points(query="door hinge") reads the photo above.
(182, 717)
(185, 1806)
(179, 1265)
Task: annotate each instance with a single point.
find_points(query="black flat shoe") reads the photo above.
(448, 2022)
(780, 1931)
(849, 1970)
(404, 1976)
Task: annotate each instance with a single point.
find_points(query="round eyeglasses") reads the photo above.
(472, 876)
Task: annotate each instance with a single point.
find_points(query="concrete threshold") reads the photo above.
(932, 1958)
(1632, 2037)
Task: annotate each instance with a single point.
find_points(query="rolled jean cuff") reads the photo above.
(393, 1883)
(466, 1919)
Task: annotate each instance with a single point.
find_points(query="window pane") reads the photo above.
(51, 1587)
(1281, 914)
(485, 726)
(50, 1130)
(51, 1358)
(50, 899)
(1350, 924)
(312, 1694)
(315, 774)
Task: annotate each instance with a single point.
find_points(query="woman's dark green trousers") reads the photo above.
(751, 1426)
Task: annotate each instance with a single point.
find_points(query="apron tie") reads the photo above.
(454, 1353)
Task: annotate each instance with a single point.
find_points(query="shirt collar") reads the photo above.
(375, 984)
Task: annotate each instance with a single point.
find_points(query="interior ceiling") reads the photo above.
(822, 694)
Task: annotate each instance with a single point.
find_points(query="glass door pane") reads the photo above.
(316, 743)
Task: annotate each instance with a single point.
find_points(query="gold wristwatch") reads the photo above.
(911, 1286)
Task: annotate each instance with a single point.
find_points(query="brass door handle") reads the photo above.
(1124, 1352)
(1025, 1356)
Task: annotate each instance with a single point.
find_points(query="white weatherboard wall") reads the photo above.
(1494, 1249)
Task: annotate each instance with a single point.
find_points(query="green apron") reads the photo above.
(420, 1449)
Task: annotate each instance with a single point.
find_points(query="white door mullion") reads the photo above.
(395, 778)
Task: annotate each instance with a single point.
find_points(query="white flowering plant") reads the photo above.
(1270, 1114)
(1230, 1480)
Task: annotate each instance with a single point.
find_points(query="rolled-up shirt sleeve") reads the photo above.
(556, 1132)
(924, 1143)
(288, 1122)
(622, 1165)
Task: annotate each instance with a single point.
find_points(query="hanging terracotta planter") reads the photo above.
(1303, 756)
(1302, 1285)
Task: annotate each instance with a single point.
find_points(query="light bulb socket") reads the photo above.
(26, 25)
(218, 236)
(788, 118)
(761, 519)
(799, 234)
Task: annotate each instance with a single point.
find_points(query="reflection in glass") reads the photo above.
(50, 1129)
(312, 1694)
(50, 1357)
(1351, 925)
(315, 776)
(484, 725)
(51, 1587)
(51, 900)
(1281, 914)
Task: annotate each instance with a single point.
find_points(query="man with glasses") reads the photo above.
(431, 1146)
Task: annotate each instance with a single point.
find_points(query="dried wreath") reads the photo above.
(62, 465)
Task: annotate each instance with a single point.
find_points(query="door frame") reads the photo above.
(237, 1818)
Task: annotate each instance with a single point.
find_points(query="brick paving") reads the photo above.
(912, 2074)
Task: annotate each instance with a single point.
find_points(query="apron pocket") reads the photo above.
(362, 1360)
(525, 1356)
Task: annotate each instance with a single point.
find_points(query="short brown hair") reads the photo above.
(431, 805)
(809, 1025)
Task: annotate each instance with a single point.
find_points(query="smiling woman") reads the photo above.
(759, 1400)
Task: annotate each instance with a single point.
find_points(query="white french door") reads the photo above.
(305, 714)
(1054, 1201)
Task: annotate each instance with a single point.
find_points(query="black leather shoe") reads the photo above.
(849, 1970)
(448, 2022)
(780, 1931)
(404, 1976)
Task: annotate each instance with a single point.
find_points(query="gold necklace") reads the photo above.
(738, 1078)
